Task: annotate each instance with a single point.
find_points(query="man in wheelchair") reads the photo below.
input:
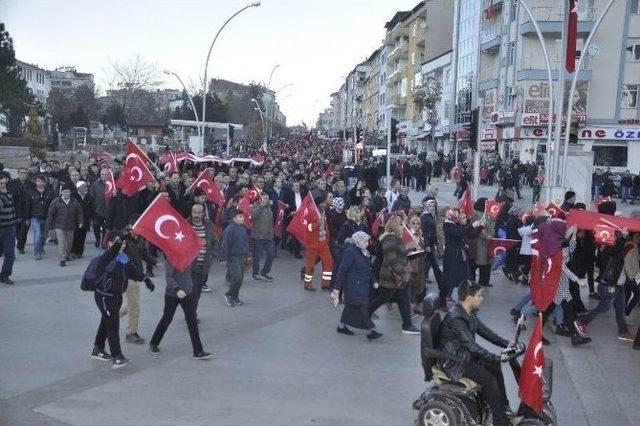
(457, 337)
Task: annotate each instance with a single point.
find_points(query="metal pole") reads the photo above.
(389, 147)
(560, 95)
(193, 105)
(548, 171)
(574, 81)
(206, 67)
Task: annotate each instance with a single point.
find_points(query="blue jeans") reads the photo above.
(528, 309)
(38, 226)
(8, 247)
(626, 193)
(269, 247)
(606, 299)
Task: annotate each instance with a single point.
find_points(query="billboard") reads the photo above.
(536, 97)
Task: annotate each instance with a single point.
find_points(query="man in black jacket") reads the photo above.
(458, 337)
(428, 224)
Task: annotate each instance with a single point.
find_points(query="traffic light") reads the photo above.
(473, 128)
(393, 130)
(231, 129)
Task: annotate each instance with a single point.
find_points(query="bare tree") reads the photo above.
(130, 79)
(426, 98)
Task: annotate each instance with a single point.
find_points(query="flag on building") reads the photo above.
(165, 228)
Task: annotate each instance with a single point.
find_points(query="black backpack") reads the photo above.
(91, 278)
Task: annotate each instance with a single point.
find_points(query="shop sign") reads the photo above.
(487, 146)
(502, 117)
(611, 133)
(535, 119)
(489, 134)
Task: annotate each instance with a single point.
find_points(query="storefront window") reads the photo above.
(610, 156)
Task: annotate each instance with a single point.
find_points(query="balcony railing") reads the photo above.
(397, 72)
(554, 13)
(531, 61)
(401, 47)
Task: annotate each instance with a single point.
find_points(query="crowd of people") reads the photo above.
(375, 246)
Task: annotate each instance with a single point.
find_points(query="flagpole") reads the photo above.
(560, 93)
(574, 82)
(197, 179)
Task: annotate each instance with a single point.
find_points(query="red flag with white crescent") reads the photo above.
(277, 229)
(530, 383)
(544, 274)
(466, 203)
(134, 176)
(165, 228)
(538, 209)
(604, 235)
(133, 148)
(498, 246)
(204, 182)
(555, 211)
(307, 213)
(170, 164)
(109, 187)
(250, 197)
(492, 208)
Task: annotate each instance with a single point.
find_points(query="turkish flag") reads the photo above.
(572, 36)
(133, 148)
(544, 275)
(466, 203)
(258, 159)
(378, 223)
(182, 155)
(604, 235)
(134, 176)
(600, 200)
(109, 187)
(249, 198)
(588, 220)
(492, 208)
(407, 235)
(170, 164)
(498, 246)
(210, 188)
(299, 225)
(530, 383)
(277, 229)
(165, 228)
(555, 211)
(538, 209)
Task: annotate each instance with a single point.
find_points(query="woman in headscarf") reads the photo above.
(336, 217)
(513, 223)
(478, 246)
(394, 274)
(455, 264)
(353, 279)
(416, 257)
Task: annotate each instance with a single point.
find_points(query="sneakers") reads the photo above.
(576, 339)
(202, 355)
(257, 277)
(100, 355)
(119, 362)
(154, 349)
(266, 277)
(625, 337)
(229, 301)
(410, 330)
(581, 328)
(238, 302)
(206, 288)
(7, 281)
(562, 330)
(344, 330)
(373, 335)
(134, 338)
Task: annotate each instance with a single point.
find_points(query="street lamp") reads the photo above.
(193, 106)
(264, 136)
(271, 75)
(206, 66)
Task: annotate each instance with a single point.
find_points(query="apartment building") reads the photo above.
(354, 106)
(513, 80)
(68, 78)
(37, 80)
(371, 105)
(439, 69)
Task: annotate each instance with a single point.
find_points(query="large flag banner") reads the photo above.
(277, 229)
(588, 220)
(299, 225)
(133, 148)
(530, 383)
(545, 274)
(165, 228)
(134, 176)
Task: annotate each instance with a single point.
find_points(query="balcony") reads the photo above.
(550, 19)
(489, 78)
(533, 68)
(399, 72)
(399, 49)
(494, 5)
(490, 39)
(398, 100)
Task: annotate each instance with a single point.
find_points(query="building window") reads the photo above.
(609, 156)
(447, 107)
(634, 6)
(514, 10)
(511, 53)
(403, 87)
(413, 58)
(633, 50)
(447, 76)
(630, 96)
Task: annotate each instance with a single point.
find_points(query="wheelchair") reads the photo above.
(449, 402)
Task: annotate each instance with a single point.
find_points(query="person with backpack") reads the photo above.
(107, 276)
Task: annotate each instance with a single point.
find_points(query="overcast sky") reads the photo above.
(315, 42)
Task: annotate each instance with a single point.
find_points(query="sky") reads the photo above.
(315, 43)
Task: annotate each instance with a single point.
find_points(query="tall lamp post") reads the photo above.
(264, 130)
(206, 67)
(193, 105)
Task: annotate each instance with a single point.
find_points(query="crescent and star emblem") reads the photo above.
(494, 209)
(139, 170)
(199, 185)
(179, 236)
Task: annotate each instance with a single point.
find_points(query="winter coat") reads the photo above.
(116, 281)
(354, 276)
(38, 204)
(66, 216)
(458, 337)
(349, 228)
(177, 280)
(235, 243)
(261, 222)
(212, 245)
(479, 243)
(120, 209)
(394, 259)
(428, 224)
(97, 192)
(87, 206)
(455, 263)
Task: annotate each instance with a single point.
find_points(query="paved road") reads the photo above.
(278, 360)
